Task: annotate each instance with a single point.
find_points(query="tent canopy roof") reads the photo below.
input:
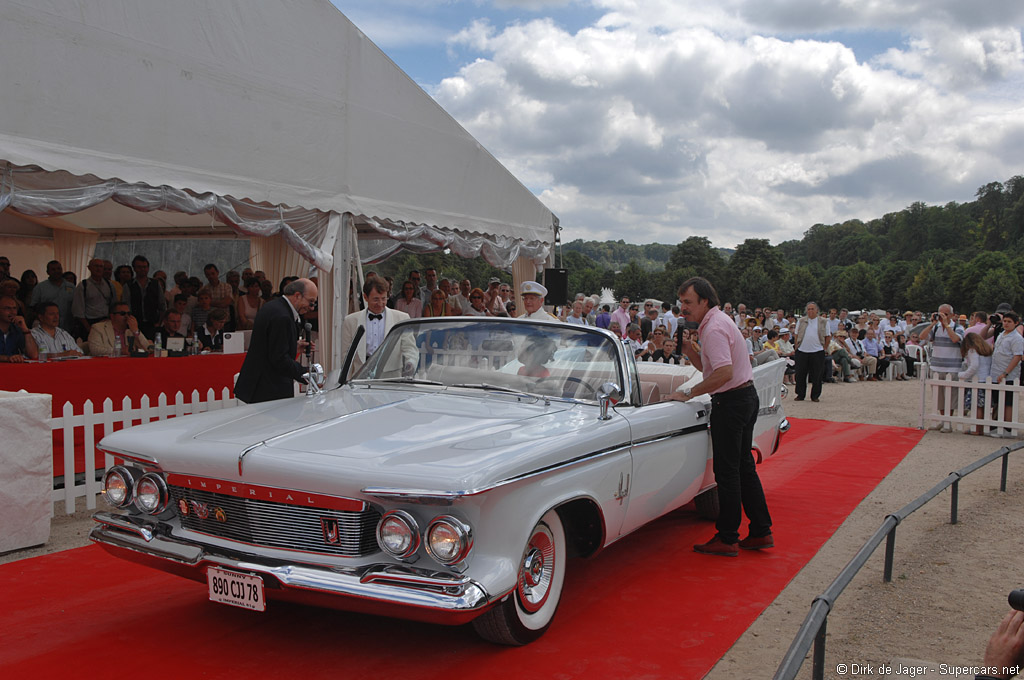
(276, 104)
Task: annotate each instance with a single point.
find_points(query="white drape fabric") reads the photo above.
(33, 191)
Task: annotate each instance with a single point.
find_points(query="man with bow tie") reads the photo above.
(377, 319)
(270, 368)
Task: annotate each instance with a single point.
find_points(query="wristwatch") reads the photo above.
(687, 391)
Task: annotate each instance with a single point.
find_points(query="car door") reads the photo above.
(670, 449)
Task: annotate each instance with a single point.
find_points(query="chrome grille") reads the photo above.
(278, 525)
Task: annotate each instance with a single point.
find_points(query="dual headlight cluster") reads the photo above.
(447, 539)
(123, 486)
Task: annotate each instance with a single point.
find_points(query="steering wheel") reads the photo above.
(569, 379)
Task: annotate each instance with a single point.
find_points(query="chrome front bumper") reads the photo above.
(383, 589)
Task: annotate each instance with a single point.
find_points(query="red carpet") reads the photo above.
(648, 607)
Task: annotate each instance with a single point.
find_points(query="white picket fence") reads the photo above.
(952, 393)
(113, 417)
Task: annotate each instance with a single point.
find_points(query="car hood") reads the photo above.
(423, 438)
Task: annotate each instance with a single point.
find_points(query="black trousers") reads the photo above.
(733, 415)
(813, 364)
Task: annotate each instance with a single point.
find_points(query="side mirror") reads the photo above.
(609, 394)
(315, 379)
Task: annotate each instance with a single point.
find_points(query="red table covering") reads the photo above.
(98, 378)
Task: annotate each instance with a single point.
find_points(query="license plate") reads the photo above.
(238, 590)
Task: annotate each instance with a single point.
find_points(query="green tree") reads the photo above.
(697, 254)
(634, 282)
(755, 287)
(798, 286)
(856, 287)
(997, 286)
(927, 291)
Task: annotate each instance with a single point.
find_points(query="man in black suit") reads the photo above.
(270, 366)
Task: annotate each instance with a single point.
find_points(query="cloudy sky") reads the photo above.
(654, 120)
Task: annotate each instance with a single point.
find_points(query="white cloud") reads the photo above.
(667, 118)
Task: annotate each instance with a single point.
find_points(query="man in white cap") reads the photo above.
(533, 301)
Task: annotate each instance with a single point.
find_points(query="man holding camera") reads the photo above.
(945, 337)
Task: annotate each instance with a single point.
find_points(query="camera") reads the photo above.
(1016, 599)
(994, 319)
(935, 316)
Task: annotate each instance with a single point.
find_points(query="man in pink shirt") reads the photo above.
(728, 378)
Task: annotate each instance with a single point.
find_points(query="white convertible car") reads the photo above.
(448, 481)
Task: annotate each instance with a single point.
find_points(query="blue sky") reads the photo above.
(654, 120)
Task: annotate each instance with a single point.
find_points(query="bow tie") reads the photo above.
(375, 317)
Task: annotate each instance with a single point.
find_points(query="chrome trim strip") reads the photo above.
(137, 457)
(671, 435)
(430, 495)
(384, 584)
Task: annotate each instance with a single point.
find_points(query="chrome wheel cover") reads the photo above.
(536, 570)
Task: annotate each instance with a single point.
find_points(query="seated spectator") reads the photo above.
(248, 305)
(756, 339)
(49, 336)
(873, 348)
(667, 354)
(210, 336)
(892, 352)
(16, 342)
(655, 344)
(839, 356)
(901, 342)
(180, 306)
(171, 326)
(859, 357)
(477, 304)
(202, 309)
(120, 331)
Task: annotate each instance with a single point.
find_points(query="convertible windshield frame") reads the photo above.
(549, 360)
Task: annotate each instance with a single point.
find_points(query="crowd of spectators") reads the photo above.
(117, 311)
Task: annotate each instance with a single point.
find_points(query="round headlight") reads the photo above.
(448, 539)
(398, 534)
(151, 494)
(119, 486)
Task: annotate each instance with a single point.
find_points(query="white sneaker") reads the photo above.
(994, 433)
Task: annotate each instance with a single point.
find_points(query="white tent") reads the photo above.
(280, 120)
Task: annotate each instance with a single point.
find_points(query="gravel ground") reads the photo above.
(949, 581)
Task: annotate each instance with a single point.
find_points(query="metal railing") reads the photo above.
(813, 628)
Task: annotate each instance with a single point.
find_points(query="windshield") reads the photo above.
(553, 361)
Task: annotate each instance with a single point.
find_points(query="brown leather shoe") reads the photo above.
(717, 547)
(757, 542)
